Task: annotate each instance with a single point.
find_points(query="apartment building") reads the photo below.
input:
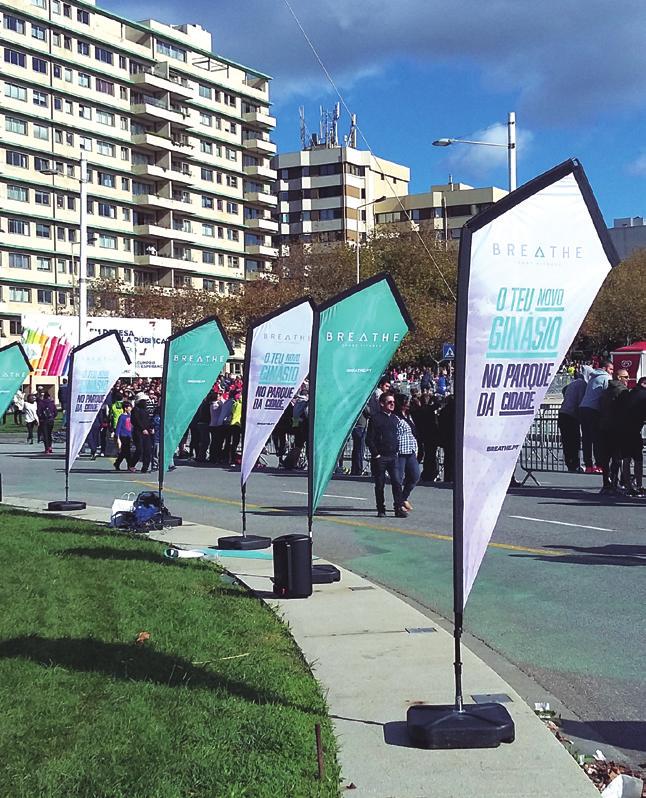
(178, 146)
(444, 209)
(628, 235)
(326, 193)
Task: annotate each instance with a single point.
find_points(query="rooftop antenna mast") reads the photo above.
(353, 131)
(305, 137)
(334, 132)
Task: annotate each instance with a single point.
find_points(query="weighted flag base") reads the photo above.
(243, 542)
(443, 726)
(325, 574)
(66, 505)
(172, 520)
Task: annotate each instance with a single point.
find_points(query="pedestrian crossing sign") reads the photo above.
(448, 351)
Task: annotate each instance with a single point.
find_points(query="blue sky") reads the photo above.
(417, 70)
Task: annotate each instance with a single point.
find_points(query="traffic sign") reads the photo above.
(448, 351)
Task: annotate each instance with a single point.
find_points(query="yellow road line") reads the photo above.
(335, 519)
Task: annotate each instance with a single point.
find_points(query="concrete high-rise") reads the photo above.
(178, 144)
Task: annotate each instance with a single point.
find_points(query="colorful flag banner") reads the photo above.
(193, 360)
(354, 338)
(277, 363)
(94, 368)
(14, 370)
(529, 268)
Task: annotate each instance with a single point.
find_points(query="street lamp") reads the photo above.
(359, 209)
(510, 146)
(83, 181)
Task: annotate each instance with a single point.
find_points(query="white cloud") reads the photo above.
(567, 60)
(638, 166)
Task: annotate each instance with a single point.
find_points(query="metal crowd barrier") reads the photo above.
(541, 449)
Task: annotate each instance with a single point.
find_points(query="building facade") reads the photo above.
(443, 209)
(326, 194)
(628, 235)
(178, 146)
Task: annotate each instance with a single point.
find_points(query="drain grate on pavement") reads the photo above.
(495, 698)
(363, 587)
(420, 630)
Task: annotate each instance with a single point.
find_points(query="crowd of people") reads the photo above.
(601, 419)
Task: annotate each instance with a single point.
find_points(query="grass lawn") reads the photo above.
(218, 702)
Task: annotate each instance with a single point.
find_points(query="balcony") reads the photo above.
(167, 233)
(259, 145)
(259, 118)
(263, 224)
(177, 86)
(156, 110)
(262, 172)
(164, 261)
(154, 201)
(261, 198)
(152, 141)
(260, 250)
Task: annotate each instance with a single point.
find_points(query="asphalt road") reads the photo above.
(558, 604)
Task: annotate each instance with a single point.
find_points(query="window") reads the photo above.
(124, 123)
(56, 39)
(106, 179)
(84, 80)
(71, 203)
(107, 241)
(39, 3)
(19, 294)
(207, 174)
(233, 261)
(39, 98)
(104, 86)
(206, 119)
(123, 62)
(38, 32)
(43, 230)
(41, 132)
(91, 270)
(42, 197)
(207, 202)
(232, 182)
(45, 296)
(14, 57)
(41, 164)
(67, 74)
(208, 230)
(103, 55)
(19, 261)
(207, 147)
(171, 50)
(13, 125)
(14, 23)
(69, 107)
(69, 169)
(107, 210)
(85, 143)
(61, 297)
(125, 154)
(125, 184)
(15, 92)
(83, 48)
(206, 91)
(58, 71)
(123, 92)
(125, 214)
(105, 118)
(18, 193)
(60, 234)
(39, 65)
(44, 264)
(56, 6)
(208, 257)
(85, 112)
(58, 104)
(82, 16)
(105, 148)
(231, 154)
(108, 272)
(233, 235)
(232, 207)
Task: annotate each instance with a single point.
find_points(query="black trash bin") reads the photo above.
(293, 566)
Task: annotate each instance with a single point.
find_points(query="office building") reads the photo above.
(178, 145)
(628, 235)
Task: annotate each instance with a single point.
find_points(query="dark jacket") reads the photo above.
(141, 420)
(382, 435)
(46, 409)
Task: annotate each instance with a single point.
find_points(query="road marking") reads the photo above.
(329, 495)
(333, 519)
(104, 479)
(563, 523)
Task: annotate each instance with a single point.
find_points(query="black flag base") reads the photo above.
(444, 726)
(325, 574)
(171, 520)
(243, 542)
(66, 505)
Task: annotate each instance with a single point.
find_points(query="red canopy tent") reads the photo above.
(633, 359)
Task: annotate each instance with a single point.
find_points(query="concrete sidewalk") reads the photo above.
(365, 647)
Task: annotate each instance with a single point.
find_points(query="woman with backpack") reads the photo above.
(46, 410)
